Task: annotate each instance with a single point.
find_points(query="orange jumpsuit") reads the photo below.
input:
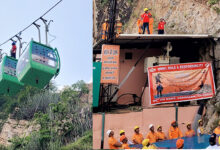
(111, 142)
(174, 133)
(104, 30)
(217, 130)
(151, 25)
(161, 135)
(140, 26)
(118, 26)
(138, 137)
(190, 133)
(152, 137)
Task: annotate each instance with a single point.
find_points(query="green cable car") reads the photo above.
(38, 64)
(9, 83)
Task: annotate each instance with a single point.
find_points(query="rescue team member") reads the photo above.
(146, 145)
(217, 129)
(152, 136)
(112, 142)
(13, 49)
(105, 29)
(200, 130)
(161, 26)
(190, 132)
(145, 17)
(180, 144)
(212, 142)
(160, 134)
(140, 26)
(118, 27)
(151, 25)
(137, 137)
(174, 131)
(124, 141)
(122, 132)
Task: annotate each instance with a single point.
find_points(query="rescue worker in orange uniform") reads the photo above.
(112, 142)
(122, 132)
(137, 137)
(190, 132)
(174, 131)
(161, 26)
(217, 129)
(152, 135)
(180, 144)
(146, 144)
(140, 26)
(200, 130)
(118, 27)
(160, 134)
(105, 27)
(151, 25)
(124, 141)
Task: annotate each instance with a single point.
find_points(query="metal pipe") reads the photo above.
(46, 29)
(176, 114)
(103, 128)
(20, 44)
(38, 28)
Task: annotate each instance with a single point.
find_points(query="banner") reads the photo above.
(110, 64)
(180, 82)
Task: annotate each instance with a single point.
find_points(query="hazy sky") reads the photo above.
(72, 26)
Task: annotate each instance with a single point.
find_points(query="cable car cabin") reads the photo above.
(38, 64)
(9, 83)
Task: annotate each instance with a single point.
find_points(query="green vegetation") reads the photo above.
(213, 2)
(217, 9)
(81, 144)
(104, 3)
(63, 117)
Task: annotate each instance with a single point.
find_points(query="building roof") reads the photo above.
(140, 40)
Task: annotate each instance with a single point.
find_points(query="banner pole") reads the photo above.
(176, 110)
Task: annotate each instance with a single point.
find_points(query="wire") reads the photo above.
(19, 33)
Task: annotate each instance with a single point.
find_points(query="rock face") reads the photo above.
(13, 128)
(182, 16)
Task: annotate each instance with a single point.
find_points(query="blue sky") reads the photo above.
(72, 26)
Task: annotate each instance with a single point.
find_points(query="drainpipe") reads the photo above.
(176, 110)
(103, 128)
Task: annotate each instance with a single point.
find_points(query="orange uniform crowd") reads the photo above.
(156, 136)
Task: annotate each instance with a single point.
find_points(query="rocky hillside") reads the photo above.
(182, 16)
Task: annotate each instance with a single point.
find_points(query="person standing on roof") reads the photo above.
(13, 49)
(105, 29)
(174, 131)
(118, 27)
(122, 132)
(160, 134)
(112, 142)
(152, 135)
(190, 132)
(200, 130)
(137, 137)
(145, 17)
(161, 26)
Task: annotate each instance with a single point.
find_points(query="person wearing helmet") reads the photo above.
(217, 129)
(152, 135)
(137, 137)
(105, 27)
(122, 132)
(118, 27)
(146, 144)
(13, 49)
(190, 132)
(161, 26)
(200, 130)
(180, 144)
(112, 142)
(174, 131)
(124, 140)
(145, 17)
(161, 135)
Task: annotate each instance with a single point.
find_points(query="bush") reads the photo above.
(213, 2)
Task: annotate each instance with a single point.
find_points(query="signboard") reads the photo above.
(180, 82)
(96, 82)
(110, 64)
